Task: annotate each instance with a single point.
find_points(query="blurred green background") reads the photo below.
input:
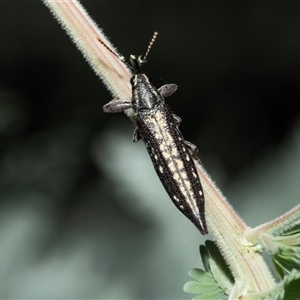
(82, 213)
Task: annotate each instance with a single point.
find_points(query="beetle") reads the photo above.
(158, 128)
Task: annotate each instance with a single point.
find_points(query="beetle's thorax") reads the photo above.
(145, 96)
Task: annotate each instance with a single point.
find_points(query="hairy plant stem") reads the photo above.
(86, 35)
(247, 266)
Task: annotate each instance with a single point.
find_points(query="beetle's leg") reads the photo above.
(177, 120)
(136, 135)
(116, 105)
(192, 149)
(167, 89)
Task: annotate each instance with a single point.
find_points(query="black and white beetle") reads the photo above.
(171, 155)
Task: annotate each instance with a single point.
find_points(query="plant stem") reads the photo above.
(86, 35)
(274, 227)
(250, 271)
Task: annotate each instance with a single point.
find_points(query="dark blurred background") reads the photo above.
(82, 214)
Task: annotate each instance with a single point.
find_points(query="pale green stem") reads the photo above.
(250, 271)
(85, 34)
(275, 227)
(248, 267)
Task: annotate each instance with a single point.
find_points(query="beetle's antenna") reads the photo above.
(121, 58)
(136, 62)
(155, 34)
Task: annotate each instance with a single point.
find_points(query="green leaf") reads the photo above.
(285, 251)
(205, 257)
(292, 286)
(216, 281)
(209, 296)
(205, 290)
(219, 268)
(287, 259)
(200, 275)
(294, 230)
(288, 288)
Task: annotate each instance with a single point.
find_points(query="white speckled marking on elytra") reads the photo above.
(174, 161)
(175, 198)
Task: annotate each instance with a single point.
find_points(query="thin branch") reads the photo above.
(274, 227)
(86, 35)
